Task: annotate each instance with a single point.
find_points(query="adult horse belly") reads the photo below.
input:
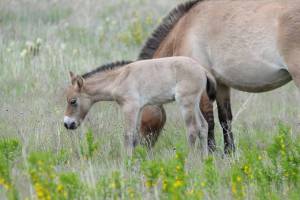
(242, 47)
(254, 76)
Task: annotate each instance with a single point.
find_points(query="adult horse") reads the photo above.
(252, 46)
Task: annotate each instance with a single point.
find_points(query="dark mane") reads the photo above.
(164, 29)
(106, 67)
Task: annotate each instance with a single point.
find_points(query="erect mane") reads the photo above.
(105, 67)
(164, 29)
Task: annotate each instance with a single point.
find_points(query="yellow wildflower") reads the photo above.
(190, 192)
(113, 185)
(131, 193)
(233, 188)
(60, 188)
(259, 158)
(41, 192)
(149, 20)
(149, 184)
(2, 181)
(165, 185)
(178, 183)
(286, 174)
(239, 179)
(247, 170)
(4, 184)
(52, 175)
(161, 169)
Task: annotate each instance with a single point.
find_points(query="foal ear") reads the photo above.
(79, 81)
(72, 77)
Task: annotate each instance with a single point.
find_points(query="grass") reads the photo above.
(40, 41)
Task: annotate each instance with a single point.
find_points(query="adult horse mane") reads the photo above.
(105, 67)
(162, 31)
(154, 40)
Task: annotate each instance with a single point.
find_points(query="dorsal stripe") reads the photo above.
(109, 66)
(162, 31)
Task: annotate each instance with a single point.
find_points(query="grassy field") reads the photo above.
(40, 41)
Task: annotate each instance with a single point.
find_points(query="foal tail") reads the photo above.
(211, 87)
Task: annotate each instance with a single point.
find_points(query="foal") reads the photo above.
(147, 82)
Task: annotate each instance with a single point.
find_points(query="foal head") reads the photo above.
(78, 102)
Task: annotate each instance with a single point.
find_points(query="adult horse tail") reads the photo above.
(211, 87)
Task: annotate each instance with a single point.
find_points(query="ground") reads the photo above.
(40, 41)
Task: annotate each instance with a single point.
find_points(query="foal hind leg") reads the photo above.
(191, 113)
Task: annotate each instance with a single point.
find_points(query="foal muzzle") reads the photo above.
(70, 123)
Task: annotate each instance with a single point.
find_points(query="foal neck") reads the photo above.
(100, 86)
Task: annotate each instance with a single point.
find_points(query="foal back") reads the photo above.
(160, 81)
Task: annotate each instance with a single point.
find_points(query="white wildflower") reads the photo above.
(23, 53)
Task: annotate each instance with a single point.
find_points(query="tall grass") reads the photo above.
(40, 41)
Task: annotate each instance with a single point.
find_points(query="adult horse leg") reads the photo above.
(152, 121)
(225, 117)
(207, 110)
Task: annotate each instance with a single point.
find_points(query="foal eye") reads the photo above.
(73, 102)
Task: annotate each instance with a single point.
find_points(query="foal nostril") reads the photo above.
(73, 125)
(66, 125)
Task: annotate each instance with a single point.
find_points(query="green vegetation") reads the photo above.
(272, 173)
(40, 41)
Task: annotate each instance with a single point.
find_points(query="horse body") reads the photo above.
(180, 79)
(247, 45)
(235, 40)
(241, 43)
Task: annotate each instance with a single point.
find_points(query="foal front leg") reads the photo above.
(132, 124)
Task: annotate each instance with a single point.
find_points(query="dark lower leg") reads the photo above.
(206, 107)
(225, 117)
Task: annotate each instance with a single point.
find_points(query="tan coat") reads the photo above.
(147, 82)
